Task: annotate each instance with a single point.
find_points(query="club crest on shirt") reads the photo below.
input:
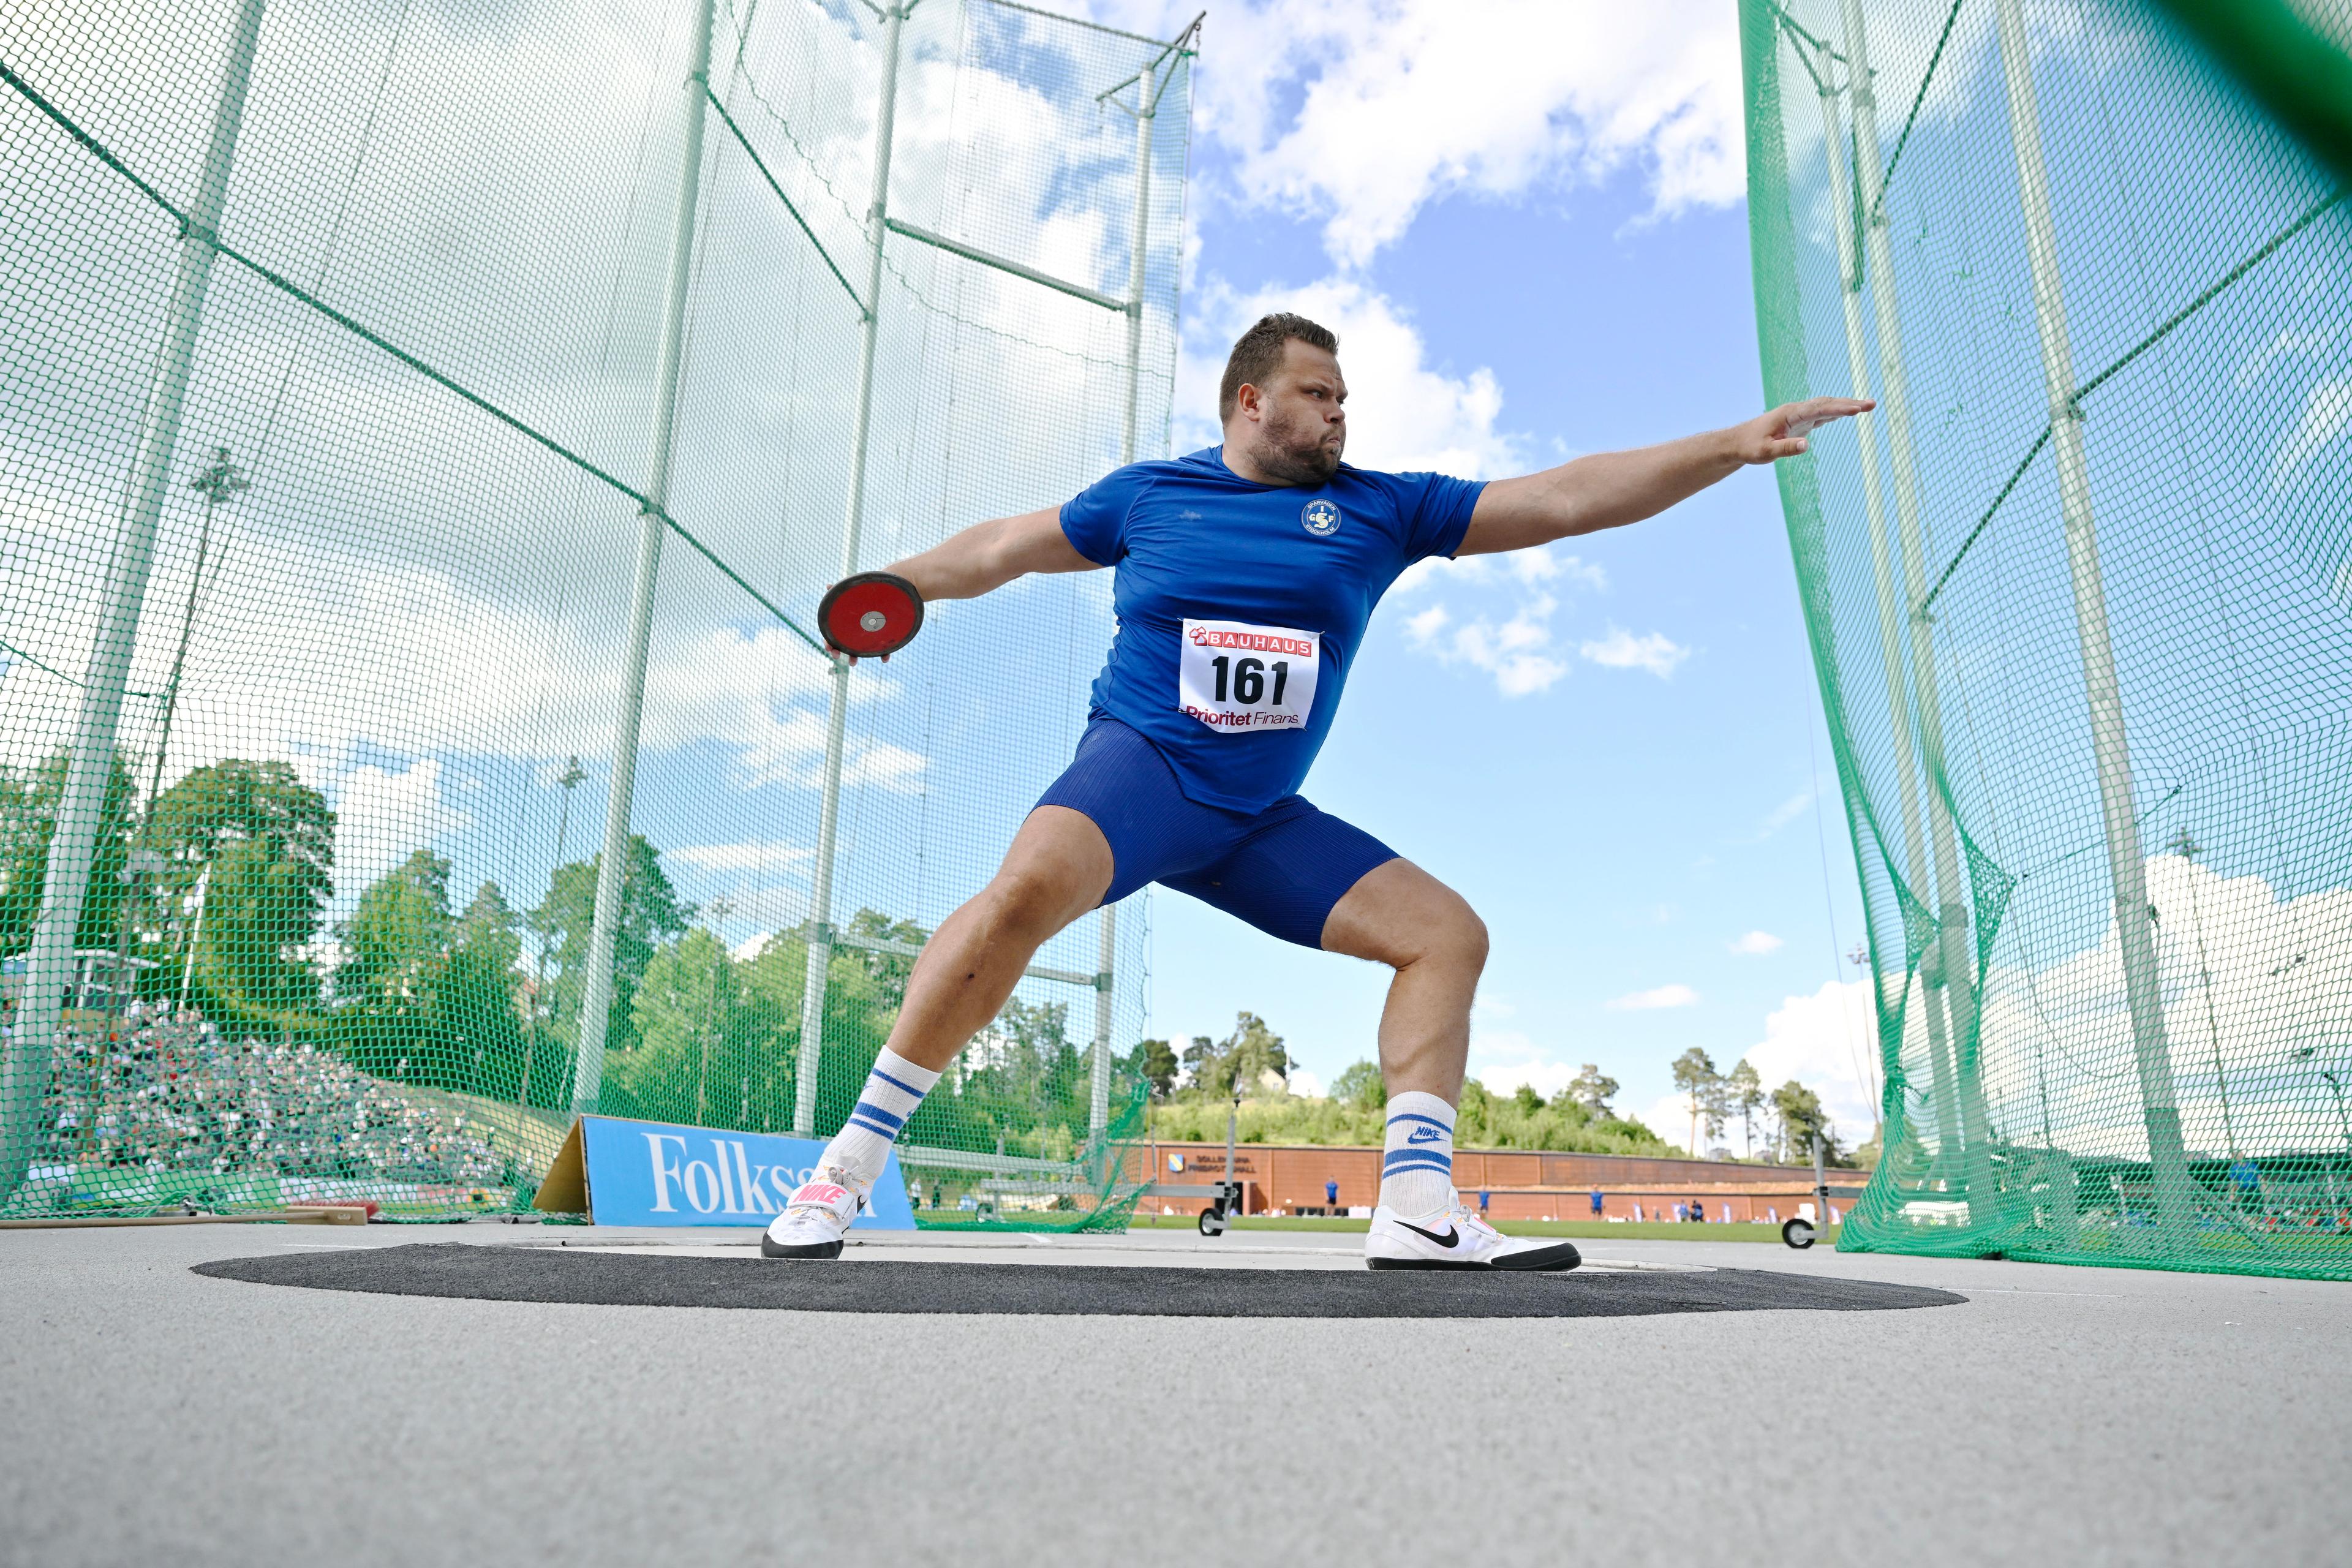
(1321, 518)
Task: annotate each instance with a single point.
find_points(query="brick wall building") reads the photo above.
(1288, 1178)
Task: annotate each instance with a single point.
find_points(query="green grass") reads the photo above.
(1581, 1228)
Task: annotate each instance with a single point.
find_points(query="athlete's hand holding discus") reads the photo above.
(1246, 576)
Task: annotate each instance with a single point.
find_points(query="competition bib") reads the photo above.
(1241, 679)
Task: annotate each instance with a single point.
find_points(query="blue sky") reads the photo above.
(1615, 751)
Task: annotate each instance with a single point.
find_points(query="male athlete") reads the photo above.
(1245, 576)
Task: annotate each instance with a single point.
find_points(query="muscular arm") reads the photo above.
(1609, 490)
(988, 555)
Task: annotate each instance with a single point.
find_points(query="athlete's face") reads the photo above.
(1295, 426)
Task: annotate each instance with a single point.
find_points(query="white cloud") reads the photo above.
(1515, 653)
(1669, 1117)
(1621, 649)
(1306, 1083)
(1403, 415)
(1503, 1059)
(1787, 812)
(768, 856)
(1544, 563)
(1676, 996)
(1756, 943)
(1824, 1041)
(380, 817)
(1361, 115)
(2326, 414)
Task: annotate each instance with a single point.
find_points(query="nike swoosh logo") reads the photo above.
(1448, 1239)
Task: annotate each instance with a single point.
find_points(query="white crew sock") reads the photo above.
(1417, 1169)
(892, 1089)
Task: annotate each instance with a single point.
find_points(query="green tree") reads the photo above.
(1695, 1079)
(476, 993)
(1527, 1100)
(1746, 1091)
(396, 935)
(1155, 1063)
(1802, 1118)
(651, 914)
(1243, 1057)
(260, 845)
(889, 970)
(694, 1035)
(1360, 1087)
(1590, 1088)
(28, 819)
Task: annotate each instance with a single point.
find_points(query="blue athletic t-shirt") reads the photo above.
(1241, 605)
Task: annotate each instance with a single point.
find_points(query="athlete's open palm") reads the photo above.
(1782, 432)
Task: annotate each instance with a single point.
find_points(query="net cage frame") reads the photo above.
(239, 274)
(2081, 648)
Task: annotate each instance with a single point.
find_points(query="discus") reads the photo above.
(871, 615)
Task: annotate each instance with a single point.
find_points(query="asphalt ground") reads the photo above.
(152, 1414)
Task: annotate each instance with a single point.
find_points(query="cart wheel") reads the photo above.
(1211, 1223)
(1797, 1233)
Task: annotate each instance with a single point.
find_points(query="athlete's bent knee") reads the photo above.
(1031, 902)
(1458, 936)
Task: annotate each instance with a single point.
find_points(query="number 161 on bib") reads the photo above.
(1243, 679)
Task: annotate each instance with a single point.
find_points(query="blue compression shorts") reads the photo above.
(1281, 869)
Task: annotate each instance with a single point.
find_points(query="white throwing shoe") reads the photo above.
(1457, 1238)
(816, 1218)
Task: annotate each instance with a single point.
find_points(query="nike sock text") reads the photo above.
(1417, 1170)
(892, 1089)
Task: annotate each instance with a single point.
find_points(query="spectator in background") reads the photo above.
(1697, 1212)
(1331, 1196)
(1596, 1203)
(1682, 1212)
(1482, 1203)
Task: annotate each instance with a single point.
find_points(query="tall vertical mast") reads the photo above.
(2110, 749)
(90, 766)
(612, 871)
(820, 939)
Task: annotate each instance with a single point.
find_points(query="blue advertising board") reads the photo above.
(651, 1172)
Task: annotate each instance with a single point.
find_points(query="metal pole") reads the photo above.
(820, 940)
(2175, 1193)
(1105, 967)
(1890, 649)
(81, 803)
(612, 871)
(1953, 926)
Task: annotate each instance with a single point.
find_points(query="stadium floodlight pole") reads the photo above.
(1953, 927)
(820, 927)
(1890, 645)
(2176, 1194)
(611, 870)
(81, 802)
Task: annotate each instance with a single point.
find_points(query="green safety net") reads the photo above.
(371, 376)
(2080, 596)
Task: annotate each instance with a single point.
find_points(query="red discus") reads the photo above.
(872, 614)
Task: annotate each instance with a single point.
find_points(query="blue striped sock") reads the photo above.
(1417, 1167)
(892, 1089)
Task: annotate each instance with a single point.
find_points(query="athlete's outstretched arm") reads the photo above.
(1609, 490)
(990, 555)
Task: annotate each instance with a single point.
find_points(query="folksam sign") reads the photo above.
(651, 1172)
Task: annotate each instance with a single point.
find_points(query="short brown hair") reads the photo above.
(1257, 354)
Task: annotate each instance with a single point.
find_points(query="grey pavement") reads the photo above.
(2059, 1416)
